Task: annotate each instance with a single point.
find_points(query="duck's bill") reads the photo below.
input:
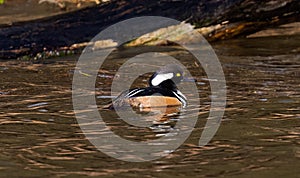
(189, 79)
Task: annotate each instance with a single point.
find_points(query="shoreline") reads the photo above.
(65, 30)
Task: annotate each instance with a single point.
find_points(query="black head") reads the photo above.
(167, 77)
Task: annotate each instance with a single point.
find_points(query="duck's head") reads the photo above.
(167, 77)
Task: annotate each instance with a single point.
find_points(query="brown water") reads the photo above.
(13, 11)
(259, 135)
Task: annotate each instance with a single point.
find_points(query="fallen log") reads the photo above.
(215, 19)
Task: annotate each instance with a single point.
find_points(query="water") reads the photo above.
(258, 137)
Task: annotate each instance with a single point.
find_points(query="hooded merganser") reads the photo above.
(162, 91)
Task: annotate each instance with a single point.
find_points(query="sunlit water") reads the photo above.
(258, 137)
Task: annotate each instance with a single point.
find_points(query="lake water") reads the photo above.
(259, 135)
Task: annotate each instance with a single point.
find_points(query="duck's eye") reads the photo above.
(178, 75)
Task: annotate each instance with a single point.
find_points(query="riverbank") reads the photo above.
(28, 35)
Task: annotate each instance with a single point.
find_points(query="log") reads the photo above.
(234, 18)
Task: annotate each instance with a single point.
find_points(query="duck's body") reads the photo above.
(162, 91)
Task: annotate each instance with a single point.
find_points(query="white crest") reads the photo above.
(160, 78)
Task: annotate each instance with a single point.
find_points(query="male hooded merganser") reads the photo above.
(162, 91)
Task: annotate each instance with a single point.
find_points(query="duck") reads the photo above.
(162, 91)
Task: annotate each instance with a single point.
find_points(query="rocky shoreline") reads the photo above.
(214, 19)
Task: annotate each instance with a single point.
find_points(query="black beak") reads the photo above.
(188, 79)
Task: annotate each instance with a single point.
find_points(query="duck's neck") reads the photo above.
(168, 84)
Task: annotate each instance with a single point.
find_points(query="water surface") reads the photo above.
(259, 135)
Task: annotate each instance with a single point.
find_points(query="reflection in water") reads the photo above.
(259, 135)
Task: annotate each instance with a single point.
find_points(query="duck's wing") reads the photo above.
(121, 100)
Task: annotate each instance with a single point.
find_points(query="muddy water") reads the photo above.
(13, 11)
(258, 137)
